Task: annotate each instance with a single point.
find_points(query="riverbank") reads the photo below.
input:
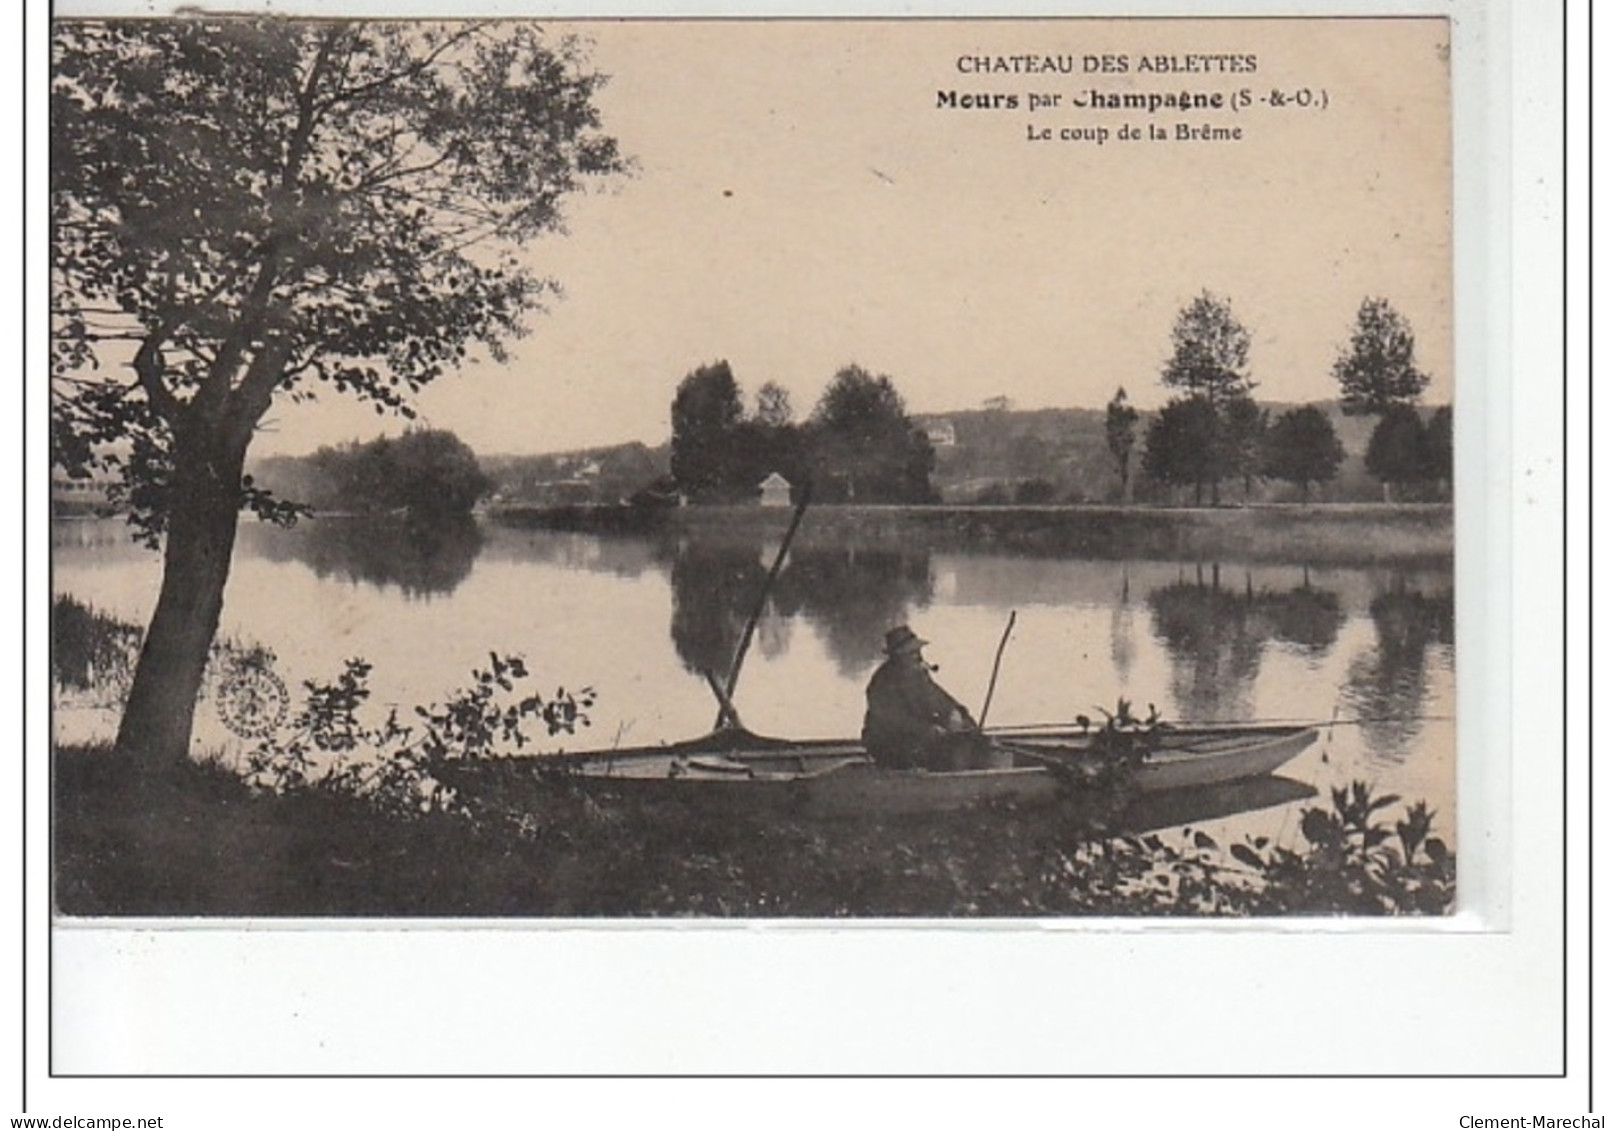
(1352, 534)
(195, 840)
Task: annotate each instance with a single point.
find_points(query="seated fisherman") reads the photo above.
(911, 722)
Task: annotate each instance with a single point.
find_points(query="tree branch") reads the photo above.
(149, 369)
(364, 90)
(252, 397)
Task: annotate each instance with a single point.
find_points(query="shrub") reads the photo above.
(329, 745)
(89, 649)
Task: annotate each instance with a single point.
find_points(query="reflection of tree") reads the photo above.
(853, 596)
(1387, 686)
(715, 589)
(1122, 649)
(1307, 617)
(1215, 638)
(850, 596)
(773, 633)
(422, 559)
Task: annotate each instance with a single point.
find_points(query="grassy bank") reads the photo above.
(197, 841)
(1335, 534)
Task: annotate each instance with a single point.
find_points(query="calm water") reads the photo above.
(638, 619)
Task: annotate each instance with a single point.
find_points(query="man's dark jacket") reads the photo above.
(907, 713)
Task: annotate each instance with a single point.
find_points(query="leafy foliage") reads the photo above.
(430, 474)
(773, 406)
(1376, 371)
(1214, 428)
(90, 649)
(1302, 448)
(1183, 444)
(307, 202)
(1351, 864)
(859, 445)
(1437, 450)
(329, 744)
(247, 209)
(1396, 450)
(1210, 351)
(1121, 427)
(350, 814)
(1244, 428)
(865, 448)
(706, 413)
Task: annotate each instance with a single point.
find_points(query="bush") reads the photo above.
(343, 815)
(89, 649)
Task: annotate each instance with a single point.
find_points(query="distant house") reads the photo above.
(941, 433)
(776, 491)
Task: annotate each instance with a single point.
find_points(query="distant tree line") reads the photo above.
(427, 474)
(1213, 430)
(857, 446)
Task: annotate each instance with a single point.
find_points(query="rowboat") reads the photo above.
(734, 770)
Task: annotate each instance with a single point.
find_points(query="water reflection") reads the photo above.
(636, 613)
(1199, 643)
(715, 589)
(1216, 635)
(419, 559)
(1176, 808)
(619, 556)
(849, 595)
(1122, 646)
(1388, 686)
(1307, 617)
(1215, 644)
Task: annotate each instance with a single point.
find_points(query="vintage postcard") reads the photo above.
(805, 469)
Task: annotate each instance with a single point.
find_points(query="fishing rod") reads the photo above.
(1309, 722)
(992, 683)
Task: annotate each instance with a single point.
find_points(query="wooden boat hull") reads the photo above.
(736, 772)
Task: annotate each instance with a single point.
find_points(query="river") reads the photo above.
(637, 619)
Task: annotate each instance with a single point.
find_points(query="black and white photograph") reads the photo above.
(761, 469)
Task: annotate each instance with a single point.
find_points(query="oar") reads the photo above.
(726, 700)
(992, 683)
(726, 705)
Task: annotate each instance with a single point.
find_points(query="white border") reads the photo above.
(741, 999)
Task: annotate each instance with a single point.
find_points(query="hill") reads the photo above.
(1059, 455)
(983, 455)
(589, 475)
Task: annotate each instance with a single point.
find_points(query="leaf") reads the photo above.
(1202, 840)
(1317, 826)
(1436, 849)
(1382, 802)
(1246, 855)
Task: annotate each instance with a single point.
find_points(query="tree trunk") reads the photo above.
(203, 511)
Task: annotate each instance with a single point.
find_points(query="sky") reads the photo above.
(801, 202)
